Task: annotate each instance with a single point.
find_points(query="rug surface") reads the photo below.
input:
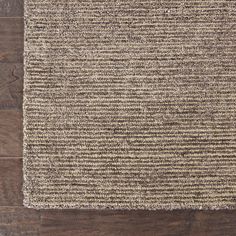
(130, 104)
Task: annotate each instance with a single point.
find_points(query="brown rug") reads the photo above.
(130, 104)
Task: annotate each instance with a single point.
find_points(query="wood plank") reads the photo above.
(19, 221)
(11, 182)
(11, 134)
(11, 8)
(114, 223)
(11, 86)
(143, 223)
(214, 223)
(11, 40)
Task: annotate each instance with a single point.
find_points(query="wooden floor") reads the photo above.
(16, 220)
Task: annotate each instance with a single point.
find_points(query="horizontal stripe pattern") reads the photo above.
(130, 104)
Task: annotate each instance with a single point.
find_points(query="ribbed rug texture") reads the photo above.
(130, 104)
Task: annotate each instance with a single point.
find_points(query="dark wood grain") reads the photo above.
(214, 223)
(18, 221)
(10, 182)
(138, 223)
(11, 40)
(11, 86)
(11, 133)
(114, 223)
(11, 8)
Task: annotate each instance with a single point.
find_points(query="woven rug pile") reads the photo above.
(130, 104)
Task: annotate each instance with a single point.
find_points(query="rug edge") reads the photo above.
(169, 207)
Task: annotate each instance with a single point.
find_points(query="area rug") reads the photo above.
(130, 104)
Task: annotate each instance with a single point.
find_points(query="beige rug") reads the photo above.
(130, 104)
